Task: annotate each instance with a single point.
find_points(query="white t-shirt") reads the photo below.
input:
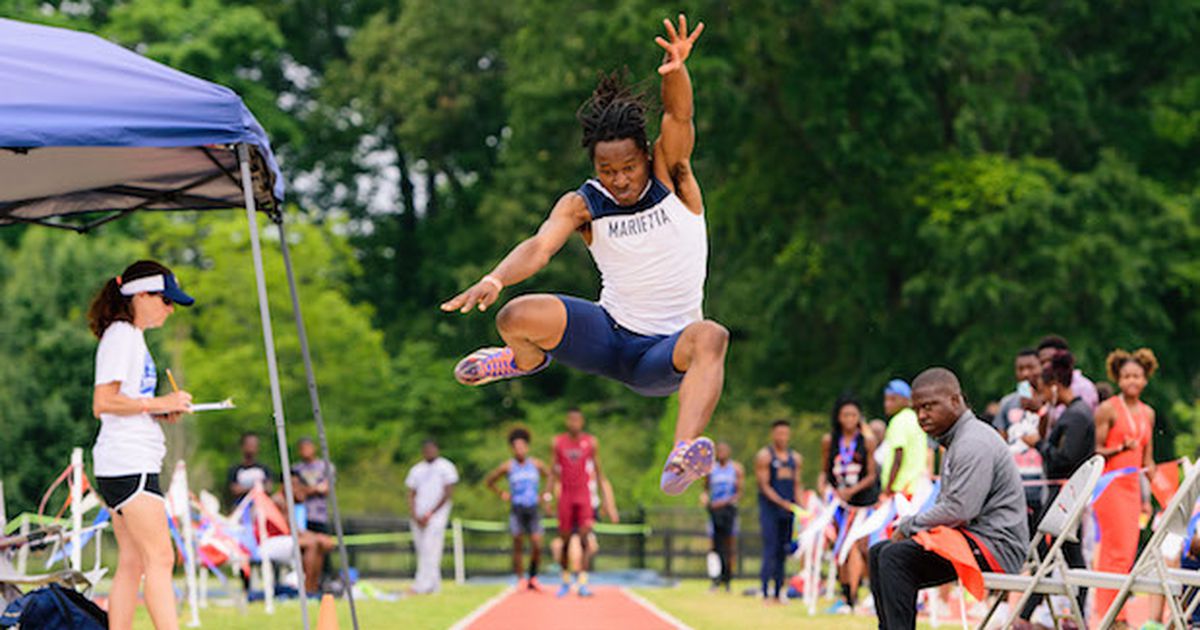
(429, 480)
(127, 445)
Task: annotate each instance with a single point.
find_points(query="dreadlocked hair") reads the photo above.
(615, 111)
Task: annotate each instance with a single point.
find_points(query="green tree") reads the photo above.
(48, 355)
(224, 356)
(889, 184)
(1016, 248)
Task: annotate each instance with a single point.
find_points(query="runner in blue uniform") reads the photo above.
(724, 486)
(525, 476)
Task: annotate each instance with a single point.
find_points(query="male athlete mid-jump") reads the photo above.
(642, 218)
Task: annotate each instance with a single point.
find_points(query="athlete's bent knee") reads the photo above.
(522, 314)
(509, 317)
(712, 339)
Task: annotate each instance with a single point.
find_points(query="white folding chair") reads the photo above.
(1150, 573)
(1061, 524)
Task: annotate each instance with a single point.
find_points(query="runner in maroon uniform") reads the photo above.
(575, 462)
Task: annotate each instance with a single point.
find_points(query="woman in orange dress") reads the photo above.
(1124, 436)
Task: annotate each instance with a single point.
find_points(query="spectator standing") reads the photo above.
(310, 480)
(430, 487)
(907, 456)
(1124, 436)
(777, 471)
(851, 475)
(1083, 386)
(1019, 416)
(1064, 448)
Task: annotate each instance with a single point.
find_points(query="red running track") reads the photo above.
(609, 608)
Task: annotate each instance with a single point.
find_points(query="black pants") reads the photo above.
(723, 521)
(898, 571)
(1033, 514)
(776, 536)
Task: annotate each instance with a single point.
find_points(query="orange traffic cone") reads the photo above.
(327, 617)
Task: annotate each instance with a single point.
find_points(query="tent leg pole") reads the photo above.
(273, 372)
(320, 420)
(76, 512)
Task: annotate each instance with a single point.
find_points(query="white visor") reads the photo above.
(149, 284)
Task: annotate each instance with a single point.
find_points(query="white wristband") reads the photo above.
(494, 281)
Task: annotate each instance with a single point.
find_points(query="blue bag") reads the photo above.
(54, 608)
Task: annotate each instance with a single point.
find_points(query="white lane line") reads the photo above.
(466, 622)
(658, 612)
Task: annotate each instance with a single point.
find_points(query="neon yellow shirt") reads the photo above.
(904, 432)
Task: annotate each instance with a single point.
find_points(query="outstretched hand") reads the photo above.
(481, 295)
(679, 46)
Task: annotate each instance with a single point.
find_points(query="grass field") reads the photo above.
(410, 613)
(690, 602)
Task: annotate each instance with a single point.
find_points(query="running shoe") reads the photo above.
(532, 584)
(838, 608)
(584, 591)
(486, 365)
(689, 461)
(564, 590)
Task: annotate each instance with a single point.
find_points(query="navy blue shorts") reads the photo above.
(595, 343)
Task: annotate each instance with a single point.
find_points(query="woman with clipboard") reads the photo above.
(130, 447)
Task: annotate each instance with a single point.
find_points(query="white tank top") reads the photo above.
(652, 256)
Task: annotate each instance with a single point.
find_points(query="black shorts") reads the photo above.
(524, 520)
(117, 491)
(319, 527)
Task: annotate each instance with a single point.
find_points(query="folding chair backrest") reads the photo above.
(1179, 509)
(1062, 516)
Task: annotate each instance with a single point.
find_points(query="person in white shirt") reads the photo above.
(127, 457)
(430, 487)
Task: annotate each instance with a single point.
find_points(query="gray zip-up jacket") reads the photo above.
(981, 492)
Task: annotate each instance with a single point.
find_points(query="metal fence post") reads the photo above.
(639, 543)
(668, 552)
(460, 571)
(739, 541)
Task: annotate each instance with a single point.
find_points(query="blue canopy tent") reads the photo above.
(91, 132)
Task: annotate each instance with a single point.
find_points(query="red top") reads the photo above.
(575, 460)
(1128, 423)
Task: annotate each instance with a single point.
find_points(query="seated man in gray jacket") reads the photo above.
(981, 497)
